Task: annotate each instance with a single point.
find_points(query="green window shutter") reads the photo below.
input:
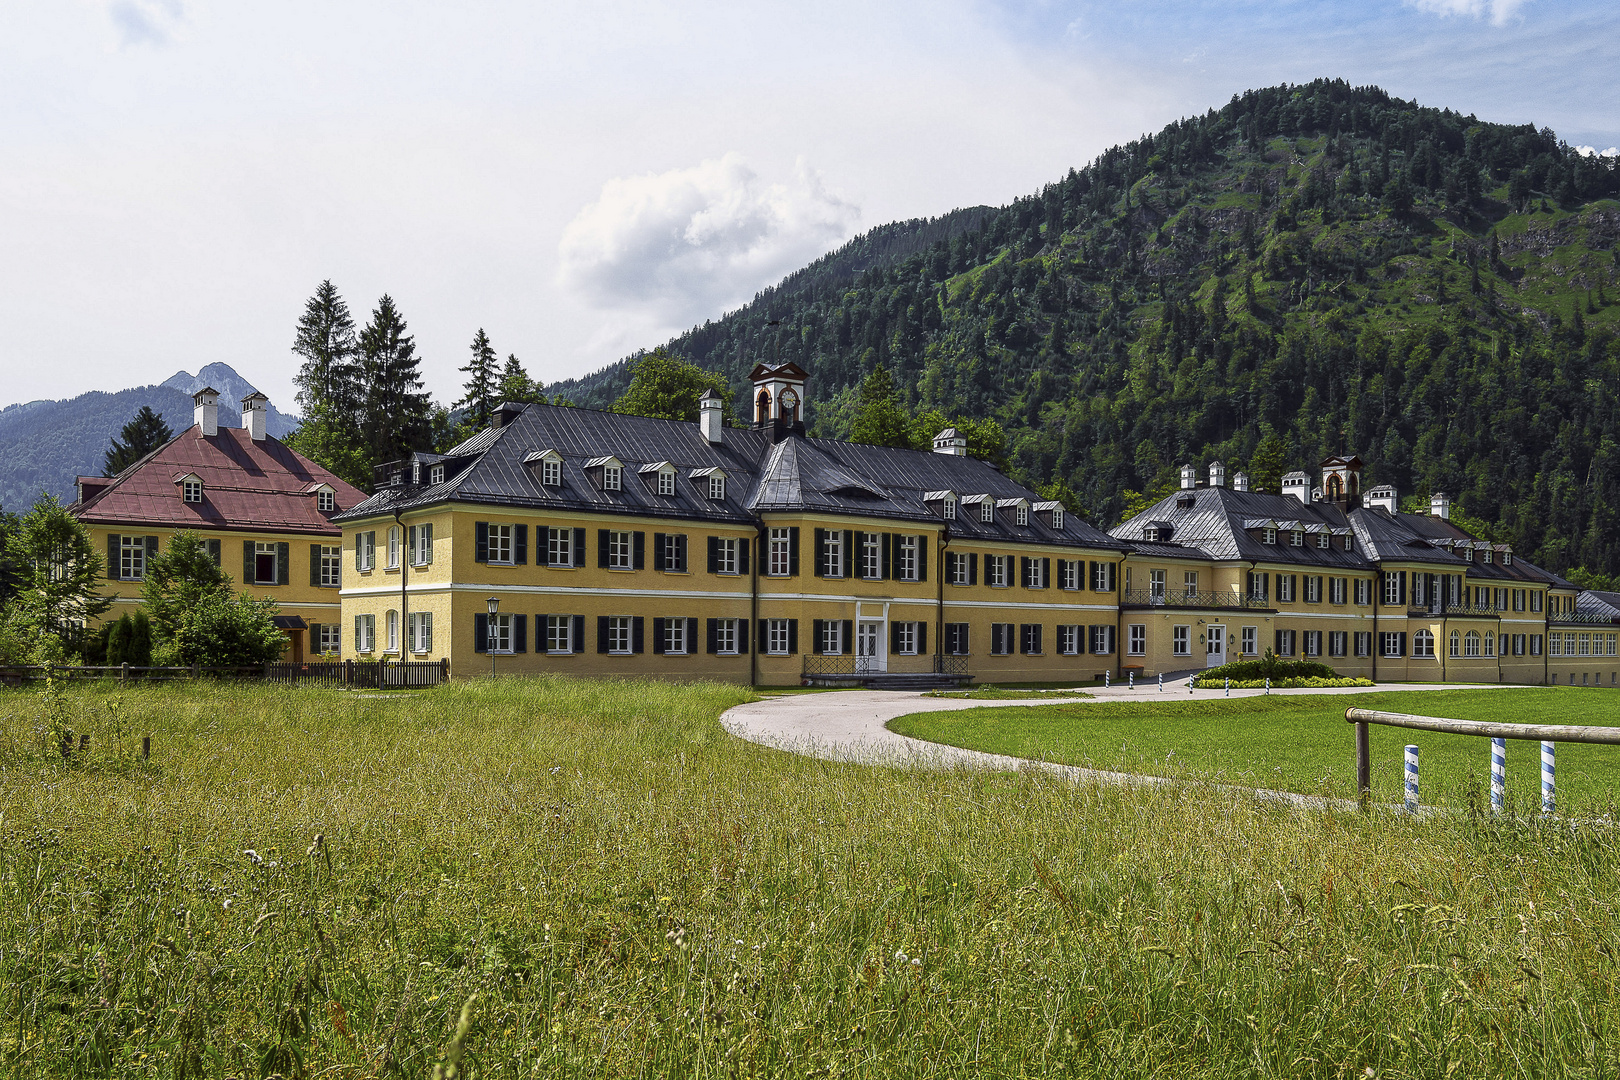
(819, 554)
(151, 548)
(114, 542)
(247, 562)
(481, 541)
(314, 567)
(283, 563)
(480, 632)
(520, 544)
(818, 631)
(579, 547)
(922, 560)
(793, 551)
(213, 551)
(638, 554)
(601, 553)
(427, 544)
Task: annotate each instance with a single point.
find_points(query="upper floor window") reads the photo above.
(559, 546)
(905, 558)
(725, 554)
(948, 510)
(960, 569)
(1156, 584)
(666, 482)
(1268, 536)
(781, 553)
(1057, 518)
(612, 478)
(717, 487)
(871, 555)
(325, 501)
(192, 490)
(621, 549)
(551, 473)
(987, 511)
(1069, 569)
(500, 543)
(832, 553)
(436, 474)
(394, 546)
(266, 564)
(331, 569)
(995, 569)
(1296, 539)
(1485, 556)
(132, 558)
(1023, 514)
(1507, 558)
(1151, 533)
(1322, 540)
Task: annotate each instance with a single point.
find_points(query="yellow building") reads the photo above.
(265, 512)
(563, 539)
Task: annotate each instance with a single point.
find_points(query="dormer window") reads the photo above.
(948, 510)
(717, 487)
(551, 473)
(1507, 558)
(191, 490)
(1268, 536)
(325, 501)
(1467, 554)
(436, 474)
(1322, 540)
(1486, 556)
(987, 511)
(1151, 533)
(1057, 518)
(666, 483)
(1296, 539)
(1349, 542)
(1023, 514)
(612, 478)
(416, 472)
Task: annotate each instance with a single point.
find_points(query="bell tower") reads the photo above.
(778, 399)
(1341, 482)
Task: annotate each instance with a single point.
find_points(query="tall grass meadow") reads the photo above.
(559, 878)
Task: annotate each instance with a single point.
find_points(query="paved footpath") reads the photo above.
(849, 725)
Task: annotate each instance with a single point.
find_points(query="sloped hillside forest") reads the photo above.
(1309, 270)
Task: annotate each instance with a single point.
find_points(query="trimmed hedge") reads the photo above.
(1272, 667)
(1205, 683)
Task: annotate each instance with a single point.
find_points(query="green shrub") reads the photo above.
(1312, 682)
(1270, 666)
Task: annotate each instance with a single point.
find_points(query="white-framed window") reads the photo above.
(781, 552)
(1490, 643)
(365, 550)
(1313, 642)
(1507, 558)
(987, 510)
(1037, 574)
(191, 491)
(1181, 640)
(1071, 573)
(1585, 648)
(1392, 645)
(1322, 540)
(1151, 533)
(1613, 643)
(422, 549)
(776, 637)
(725, 636)
(1156, 584)
(1485, 556)
(618, 635)
(1423, 644)
(1363, 591)
(717, 487)
(666, 482)
(1268, 536)
(1057, 517)
(560, 633)
(832, 553)
(1136, 639)
(1364, 643)
(1336, 590)
(1535, 644)
(1102, 577)
(871, 555)
(1337, 641)
(266, 565)
(1258, 585)
(331, 565)
(905, 558)
(1102, 640)
(947, 509)
(436, 474)
(621, 549)
(675, 636)
(832, 637)
(419, 631)
(1392, 587)
(1023, 514)
(551, 473)
(391, 622)
(394, 546)
(1456, 643)
(725, 555)
(1068, 640)
(132, 558)
(1285, 588)
(959, 568)
(500, 543)
(1296, 539)
(330, 640)
(1189, 583)
(995, 570)
(365, 633)
(325, 501)
(905, 638)
(1250, 636)
(500, 633)
(1285, 643)
(559, 546)
(1470, 644)
(1535, 601)
(612, 478)
(1313, 588)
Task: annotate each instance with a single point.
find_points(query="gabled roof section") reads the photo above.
(264, 486)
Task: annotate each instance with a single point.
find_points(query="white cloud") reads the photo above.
(145, 22)
(689, 241)
(1590, 151)
(1498, 11)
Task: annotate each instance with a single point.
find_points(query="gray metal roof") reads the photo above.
(796, 474)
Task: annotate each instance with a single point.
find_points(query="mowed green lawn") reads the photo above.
(1302, 743)
(309, 883)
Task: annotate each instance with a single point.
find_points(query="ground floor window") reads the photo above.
(1285, 643)
(1135, 639)
(670, 636)
(1337, 639)
(419, 631)
(779, 637)
(1423, 644)
(1364, 643)
(1068, 640)
(365, 633)
(726, 636)
(1535, 644)
(956, 638)
(1471, 644)
(1102, 640)
(907, 638)
(1181, 640)
(1251, 640)
(500, 633)
(329, 642)
(1490, 643)
(1029, 639)
(1313, 643)
(559, 634)
(1001, 639)
(618, 634)
(1394, 645)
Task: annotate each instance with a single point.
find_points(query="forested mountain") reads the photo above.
(1323, 265)
(45, 444)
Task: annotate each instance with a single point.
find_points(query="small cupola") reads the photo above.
(1440, 505)
(952, 442)
(1240, 481)
(1383, 497)
(712, 418)
(1341, 481)
(1189, 478)
(206, 411)
(778, 395)
(1298, 485)
(255, 407)
(1217, 474)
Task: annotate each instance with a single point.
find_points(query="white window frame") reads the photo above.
(832, 554)
(871, 556)
(559, 546)
(1338, 642)
(1268, 536)
(1071, 574)
(1181, 640)
(666, 482)
(498, 636)
(1287, 643)
(1155, 584)
(436, 474)
(726, 555)
(947, 509)
(1057, 517)
(832, 637)
(612, 478)
(1363, 591)
(1023, 514)
(987, 511)
(780, 552)
(1296, 538)
(331, 570)
(1285, 588)
(330, 640)
(995, 570)
(191, 491)
(1349, 542)
(905, 558)
(1336, 591)
(621, 549)
(325, 501)
(1250, 637)
(368, 634)
(366, 545)
(1068, 639)
(1323, 540)
(618, 635)
(906, 638)
(1392, 588)
(395, 546)
(1189, 583)
(1422, 645)
(501, 550)
(1102, 580)
(419, 632)
(725, 637)
(1313, 642)
(551, 473)
(675, 643)
(1390, 646)
(776, 637)
(1136, 639)
(263, 547)
(560, 634)
(132, 558)
(1363, 642)
(959, 568)
(717, 488)
(422, 553)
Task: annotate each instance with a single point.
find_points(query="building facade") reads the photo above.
(567, 540)
(264, 511)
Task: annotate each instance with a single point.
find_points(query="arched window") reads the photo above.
(1490, 643)
(1423, 644)
(1335, 487)
(1471, 644)
(1456, 644)
(762, 406)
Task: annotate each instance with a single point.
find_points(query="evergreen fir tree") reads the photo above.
(879, 420)
(517, 386)
(482, 382)
(396, 415)
(145, 433)
(325, 339)
(60, 575)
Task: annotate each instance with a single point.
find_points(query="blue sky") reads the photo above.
(580, 179)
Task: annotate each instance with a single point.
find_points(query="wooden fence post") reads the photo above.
(1363, 765)
(444, 669)
(267, 671)
(123, 673)
(146, 747)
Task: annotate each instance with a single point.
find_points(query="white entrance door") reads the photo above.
(1216, 648)
(869, 657)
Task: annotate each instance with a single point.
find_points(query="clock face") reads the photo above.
(789, 399)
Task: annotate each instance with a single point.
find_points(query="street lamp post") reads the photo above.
(490, 638)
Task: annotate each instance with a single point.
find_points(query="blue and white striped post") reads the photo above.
(1191, 680)
(1107, 679)
(1131, 676)
(1498, 775)
(1268, 684)
(1229, 686)
(1549, 770)
(1411, 779)
(1161, 682)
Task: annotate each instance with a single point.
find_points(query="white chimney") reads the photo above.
(1440, 505)
(710, 418)
(1217, 474)
(1298, 485)
(253, 414)
(1383, 497)
(1240, 481)
(1189, 478)
(950, 442)
(206, 413)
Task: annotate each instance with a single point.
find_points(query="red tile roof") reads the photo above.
(262, 486)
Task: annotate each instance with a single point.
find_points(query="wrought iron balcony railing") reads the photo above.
(1181, 598)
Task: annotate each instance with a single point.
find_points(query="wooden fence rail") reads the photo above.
(362, 674)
